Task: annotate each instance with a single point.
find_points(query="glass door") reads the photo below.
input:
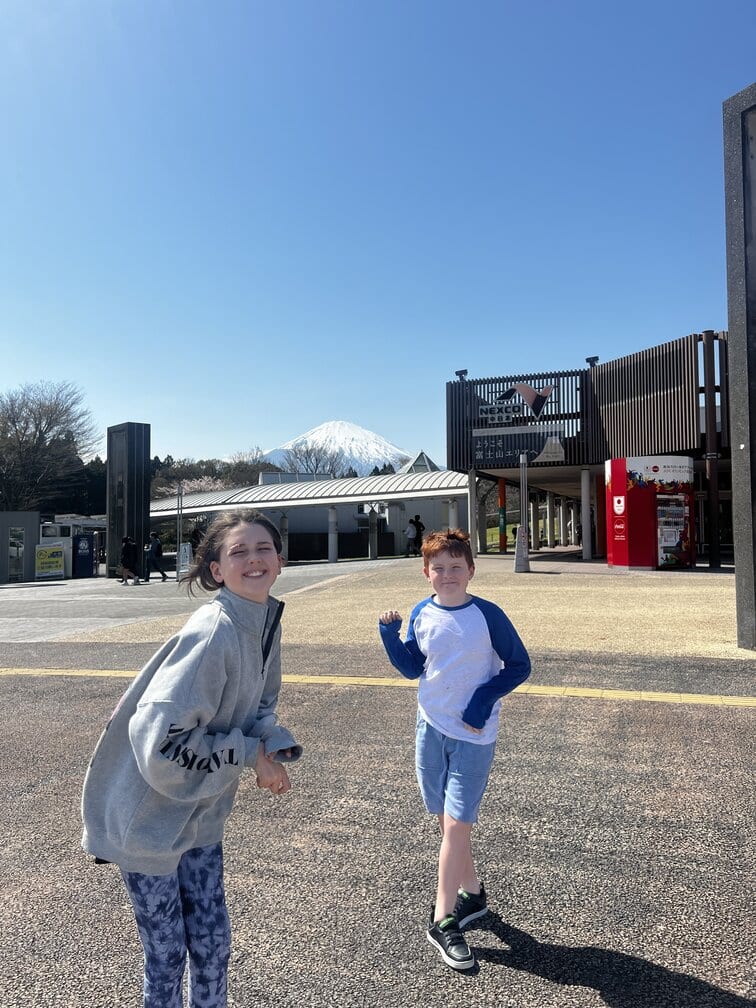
(16, 553)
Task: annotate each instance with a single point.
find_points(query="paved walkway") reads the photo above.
(616, 837)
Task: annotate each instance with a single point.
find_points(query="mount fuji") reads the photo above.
(361, 449)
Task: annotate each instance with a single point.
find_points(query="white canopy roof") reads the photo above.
(357, 490)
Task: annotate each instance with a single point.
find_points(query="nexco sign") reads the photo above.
(503, 412)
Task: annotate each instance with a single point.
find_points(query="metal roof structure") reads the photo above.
(355, 490)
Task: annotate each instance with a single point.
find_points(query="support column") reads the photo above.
(396, 527)
(585, 511)
(535, 525)
(333, 535)
(712, 455)
(454, 513)
(502, 516)
(472, 510)
(283, 528)
(372, 535)
(563, 533)
(482, 528)
(599, 516)
(550, 539)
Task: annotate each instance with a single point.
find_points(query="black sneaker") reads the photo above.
(447, 938)
(470, 906)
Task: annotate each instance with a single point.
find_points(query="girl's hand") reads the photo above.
(271, 776)
(390, 616)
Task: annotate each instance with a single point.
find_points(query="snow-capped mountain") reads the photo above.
(361, 449)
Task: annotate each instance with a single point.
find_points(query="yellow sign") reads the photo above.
(48, 563)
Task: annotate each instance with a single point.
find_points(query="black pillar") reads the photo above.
(740, 198)
(712, 454)
(128, 490)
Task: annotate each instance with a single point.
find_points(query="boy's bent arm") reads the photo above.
(515, 670)
(407, 658)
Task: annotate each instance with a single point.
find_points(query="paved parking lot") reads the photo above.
(617, 834)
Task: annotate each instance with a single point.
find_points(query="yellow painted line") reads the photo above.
(662, 697)
(701, 698)
(88, 673)
(586, 692)
(337, 680)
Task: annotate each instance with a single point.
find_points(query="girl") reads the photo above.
(165, 772)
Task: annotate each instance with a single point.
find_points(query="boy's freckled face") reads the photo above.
(249, 563)
(449, 577)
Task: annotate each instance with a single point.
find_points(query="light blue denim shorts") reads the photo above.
(452, 774)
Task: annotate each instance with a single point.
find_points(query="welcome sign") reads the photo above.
(48, 562)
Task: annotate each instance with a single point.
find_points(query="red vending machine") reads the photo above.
(649, 506)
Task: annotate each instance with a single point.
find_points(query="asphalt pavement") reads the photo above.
(616, 838)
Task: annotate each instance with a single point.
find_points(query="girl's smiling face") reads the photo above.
(449, 577)
(248, 563)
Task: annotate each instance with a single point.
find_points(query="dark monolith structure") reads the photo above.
(740, 195)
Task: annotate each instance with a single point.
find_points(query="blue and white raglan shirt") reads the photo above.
(466, 657)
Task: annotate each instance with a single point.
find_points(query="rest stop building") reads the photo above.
(586, 435)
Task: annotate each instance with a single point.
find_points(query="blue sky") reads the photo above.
(237, 220)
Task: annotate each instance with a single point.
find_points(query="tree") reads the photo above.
(171, 472)
(312, 458)
(244, 468)
(198, 484)
(96, 475)
(45, 429)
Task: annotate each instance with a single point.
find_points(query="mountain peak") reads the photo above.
(362, 449)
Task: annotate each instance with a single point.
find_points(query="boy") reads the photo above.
(467, 655)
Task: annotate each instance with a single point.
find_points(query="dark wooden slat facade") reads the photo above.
(647, 403)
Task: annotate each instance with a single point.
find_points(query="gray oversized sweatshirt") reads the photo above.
(165, 772)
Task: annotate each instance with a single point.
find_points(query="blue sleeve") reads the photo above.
(515, 668)
(406, 657)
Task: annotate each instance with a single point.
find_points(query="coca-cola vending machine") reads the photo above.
(649, 505)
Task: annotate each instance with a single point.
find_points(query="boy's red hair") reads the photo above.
(454, 541)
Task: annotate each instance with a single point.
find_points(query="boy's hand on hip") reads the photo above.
(476, 731)
(390, 616)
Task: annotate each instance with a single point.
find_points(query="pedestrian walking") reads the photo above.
(129, 561)
(419, 529)
(154, 557)
(410, 532)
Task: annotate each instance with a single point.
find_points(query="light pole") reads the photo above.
(179, 523)
(522, 559)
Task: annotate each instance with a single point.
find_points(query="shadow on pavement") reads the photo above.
(623, 981)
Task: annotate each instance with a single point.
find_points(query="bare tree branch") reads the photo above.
(45, 429)
(311, 458)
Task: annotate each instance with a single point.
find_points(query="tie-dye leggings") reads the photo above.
(180, 913)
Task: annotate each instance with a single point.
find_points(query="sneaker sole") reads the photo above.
(473, 917)
(457, 964)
